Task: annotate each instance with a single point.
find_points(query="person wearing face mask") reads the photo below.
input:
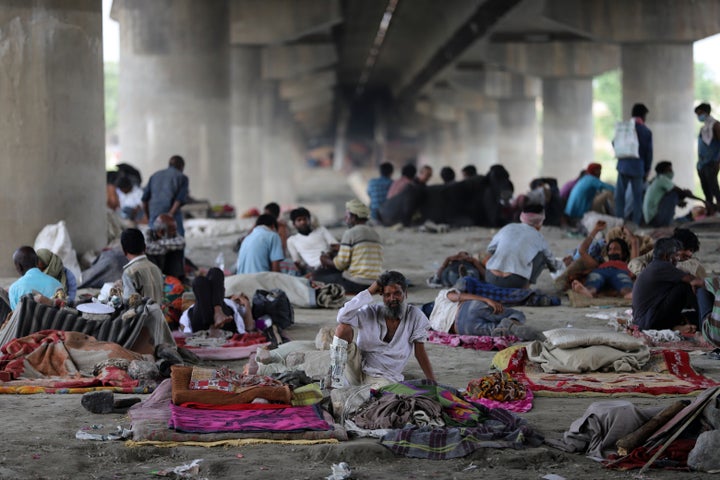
(613, 273)
(662, 196)
(663, 292)
(708, 156)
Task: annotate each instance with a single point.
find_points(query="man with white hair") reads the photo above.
(519, 252)
(359, 260)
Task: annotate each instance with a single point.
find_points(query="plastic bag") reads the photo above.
(625, 141)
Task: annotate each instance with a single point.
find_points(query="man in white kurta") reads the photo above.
(387, 334)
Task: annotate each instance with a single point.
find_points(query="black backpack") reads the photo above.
(276, 305)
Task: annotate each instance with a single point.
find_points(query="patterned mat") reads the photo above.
(668, 372)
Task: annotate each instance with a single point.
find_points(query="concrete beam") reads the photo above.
(461, 99)
(556, 59)
(282, 62)
(438, 111)
(266, 22)
(308, 84)
(638, 21)
(316, 99)
(494, 83)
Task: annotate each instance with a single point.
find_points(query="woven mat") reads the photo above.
(668, 372)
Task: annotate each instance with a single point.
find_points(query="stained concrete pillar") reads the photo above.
(480, 140)
(246, 128)
(567, 126)
(668, 94)
(52, 128)
(173, 90)
(517, 140)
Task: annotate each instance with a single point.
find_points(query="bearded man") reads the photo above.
(387, 334)
(306, 246)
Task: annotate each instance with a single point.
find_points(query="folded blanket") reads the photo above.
(583, 359)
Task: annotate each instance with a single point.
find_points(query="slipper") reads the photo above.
(715, 354)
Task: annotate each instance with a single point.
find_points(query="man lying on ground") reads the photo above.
(387, 334)
(454, 267)
(613, 272)
(662, 291)
(468, 314)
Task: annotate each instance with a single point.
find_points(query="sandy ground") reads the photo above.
(39, 430)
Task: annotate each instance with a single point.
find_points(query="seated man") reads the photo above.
(140, 275)
(457, 266)
(584, 192)
(212, 311)
(306, 246)
(689, 245)
(166, 247)
(613, 272)
(32, 280)
(663, 291)
(261, 250)
(359, 259)
(468, 314)
(519, 252)
(130, 200)
(662, 197)
(387, 334)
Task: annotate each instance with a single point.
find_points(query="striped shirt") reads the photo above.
(360, 257)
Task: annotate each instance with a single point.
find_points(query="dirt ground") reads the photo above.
(39, 430)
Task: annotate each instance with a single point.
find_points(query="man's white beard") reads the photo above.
(389, 311)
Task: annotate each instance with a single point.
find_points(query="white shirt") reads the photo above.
(237, 316)
(309, 247)
(131, 199)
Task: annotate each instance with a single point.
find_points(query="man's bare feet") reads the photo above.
(686, 329)
(581, 289)
(219, 318)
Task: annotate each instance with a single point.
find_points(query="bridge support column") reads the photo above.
(52, 127)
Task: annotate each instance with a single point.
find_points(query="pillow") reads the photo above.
(577, 337)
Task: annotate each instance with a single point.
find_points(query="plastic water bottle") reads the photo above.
(220, 261)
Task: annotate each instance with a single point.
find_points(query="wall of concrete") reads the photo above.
(173, 91)
(52, 127)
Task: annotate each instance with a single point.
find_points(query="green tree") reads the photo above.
(707, 88)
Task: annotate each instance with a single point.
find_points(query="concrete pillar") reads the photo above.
(173, 90)
(246, 131)
(481, 146)
(567, 126)
(52, 128)
(517, 140)
(277, 169)
(668, 94)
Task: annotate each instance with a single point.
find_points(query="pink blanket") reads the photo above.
(293, 419)
(471, 341)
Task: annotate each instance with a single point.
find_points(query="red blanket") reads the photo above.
(668, 372)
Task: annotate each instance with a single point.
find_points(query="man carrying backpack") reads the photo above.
(632, 168)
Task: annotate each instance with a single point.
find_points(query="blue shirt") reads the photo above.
(638, 167)
(583, 194)
(377, 191)
(258, 250)
(708, 154)
(36, 280)
(163, 189)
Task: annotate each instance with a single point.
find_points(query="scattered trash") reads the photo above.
(35, 456)
(552, 476)
(472, 466)
(120, 434)
(340, 471)
(189, 470)
(240, 455)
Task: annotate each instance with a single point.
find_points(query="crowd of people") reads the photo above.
(666, 284)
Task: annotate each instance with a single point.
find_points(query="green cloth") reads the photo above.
(711, 325)
(654, 194)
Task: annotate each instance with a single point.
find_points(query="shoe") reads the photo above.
(434, 282)
(715, 354)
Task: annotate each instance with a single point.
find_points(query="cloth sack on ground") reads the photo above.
(298, 289)
(583, 359)
(56, 238)
(578, 337)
